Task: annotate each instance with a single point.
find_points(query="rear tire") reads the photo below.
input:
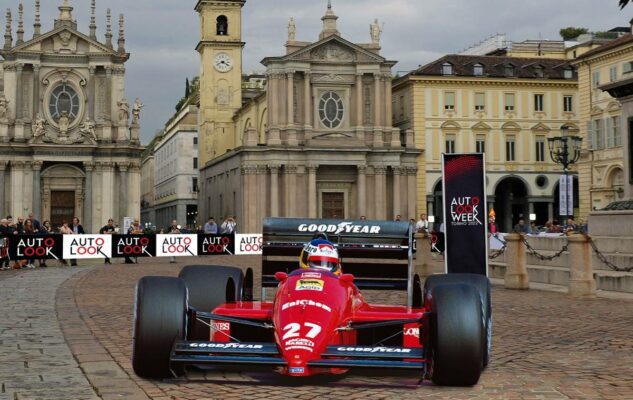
(160, 318)
(455, 335)
(210, 286)
(482, 284)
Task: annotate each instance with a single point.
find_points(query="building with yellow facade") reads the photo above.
(506, 107)
(603, 168)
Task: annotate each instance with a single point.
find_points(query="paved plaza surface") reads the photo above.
(67, 334)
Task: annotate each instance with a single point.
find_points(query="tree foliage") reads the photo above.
(572, 32)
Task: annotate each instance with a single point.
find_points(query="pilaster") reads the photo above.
(312, 190)
(380, 176)
(274, 190)
(88, 211)
(37, 189)
(290, 176)
(397, 188)
(3, 191)
(362, 190)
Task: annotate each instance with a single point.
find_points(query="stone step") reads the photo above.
(619, 259)
(605, 280)
(612, 244)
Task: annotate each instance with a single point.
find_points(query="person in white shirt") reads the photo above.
(423, 224)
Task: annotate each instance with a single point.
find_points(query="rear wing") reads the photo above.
(378, 253)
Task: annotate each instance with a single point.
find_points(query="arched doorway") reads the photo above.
(556, 195)
(62, 194)
(511, 203)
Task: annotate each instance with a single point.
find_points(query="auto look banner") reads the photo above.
(176, 245)
(87, 246)
(465, 224)
(133, 245)
(41, 247)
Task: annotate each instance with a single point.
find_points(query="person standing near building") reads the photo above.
(76, 229)
(36, 223)
(228, 226)
(29, 230)
(422, 225)
(5, 230)
(107, 229)
(211, 227)
(173, 229)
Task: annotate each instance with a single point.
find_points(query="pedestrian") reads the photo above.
(521, 227)
(422, 225)
(36, 223)
(211, 227)
(45, 229)
(398, 218)
(173, 229)
(533, 229)
(76, 229)
(5, 230)
(107, 229)
(19, 227)
(64, 229)
(571, 226)
(492, 227)
(228, 226)
(554, 228)
(134, 229)
(363, 218)
(29, 230)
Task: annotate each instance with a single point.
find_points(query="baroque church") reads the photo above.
(316, 142)
(69, 140)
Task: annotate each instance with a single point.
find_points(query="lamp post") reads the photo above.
(565, 150)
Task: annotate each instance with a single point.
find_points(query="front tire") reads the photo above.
(160, 318)
(455, 335)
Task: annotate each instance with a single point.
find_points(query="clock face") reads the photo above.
(223, 62)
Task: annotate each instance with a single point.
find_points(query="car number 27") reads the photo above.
(293, 328)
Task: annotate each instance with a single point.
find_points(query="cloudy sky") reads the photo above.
(162, 34)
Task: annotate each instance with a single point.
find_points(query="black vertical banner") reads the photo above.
(465, 220)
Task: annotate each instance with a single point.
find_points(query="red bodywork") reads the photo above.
(311, 310)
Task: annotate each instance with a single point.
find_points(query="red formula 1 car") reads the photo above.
(319, 322)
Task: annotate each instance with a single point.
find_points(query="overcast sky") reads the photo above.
(161, 34)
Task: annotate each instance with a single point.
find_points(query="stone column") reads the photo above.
(259, 182)
(36, 91)
(88, 220)
(109, 105)
(388, 101)
(37, 189)
(290, 116)
(274, 190)
(380, 176)
(3, 168)
(107, 187)
(273, 129)
(307, 100)
(412, 173)
(516, 276)
(362, 190)
(581, 282)
(16, 189)
(397, 173)
(19, 106)
(91, 94)
(247, 211)
(359, 99)
(290, 172)
(550, 211)
(312, 190)
(123, 199)
(377, 101)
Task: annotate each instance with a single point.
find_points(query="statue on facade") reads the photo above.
(136, 111)
(39, 126)
(292, 29)
(64, 123)
(124, 111)
(375, 30)
(4, 107)
(88, 130)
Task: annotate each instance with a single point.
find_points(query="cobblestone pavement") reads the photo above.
(545, 346)
(35, 361)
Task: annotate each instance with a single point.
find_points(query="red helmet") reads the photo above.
(321, 254)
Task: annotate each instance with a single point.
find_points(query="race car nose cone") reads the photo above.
(297, 368)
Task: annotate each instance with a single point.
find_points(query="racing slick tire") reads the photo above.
(210, 286)
(160, 318)
(455, 335)
(482, 283)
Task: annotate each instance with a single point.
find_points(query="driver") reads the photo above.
(320, 254)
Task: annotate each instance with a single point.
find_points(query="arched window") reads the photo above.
(222, 25)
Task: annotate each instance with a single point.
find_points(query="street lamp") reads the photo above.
(565, 150)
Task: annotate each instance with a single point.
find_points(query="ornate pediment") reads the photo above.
(481, 126)
(63, 40)
(451, 125)
(510, 126)
(334, 49)
(540, 127)
(332, 52)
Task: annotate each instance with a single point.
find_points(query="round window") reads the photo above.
(331, 109)
(64, 99)
(541, 181)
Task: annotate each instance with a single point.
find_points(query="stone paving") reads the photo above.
(35, 361)
(545, 346)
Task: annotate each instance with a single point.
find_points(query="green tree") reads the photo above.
(572, 32)
(187, 88)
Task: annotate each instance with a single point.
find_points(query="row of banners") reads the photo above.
(22, 247)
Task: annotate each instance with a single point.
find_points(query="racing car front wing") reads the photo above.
(267, 354)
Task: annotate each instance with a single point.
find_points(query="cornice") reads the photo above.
(609, 54)
(484, 82)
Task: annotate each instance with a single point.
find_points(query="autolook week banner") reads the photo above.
(465, 222)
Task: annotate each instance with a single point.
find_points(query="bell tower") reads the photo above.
(220, 51)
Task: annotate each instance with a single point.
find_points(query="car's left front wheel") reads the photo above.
(160, 318)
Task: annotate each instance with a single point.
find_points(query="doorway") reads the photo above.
(333, 205)
(62, 207)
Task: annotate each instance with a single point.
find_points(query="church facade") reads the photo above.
(69, 140)
(316, 142)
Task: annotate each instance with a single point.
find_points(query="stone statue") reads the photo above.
(88, 129)
(292, 29)
(39, 126)
(124, 111)
(64, 123)
(375, 31)
(4, 107)
(136, 111)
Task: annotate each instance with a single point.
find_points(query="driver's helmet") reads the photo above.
(320, 254)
